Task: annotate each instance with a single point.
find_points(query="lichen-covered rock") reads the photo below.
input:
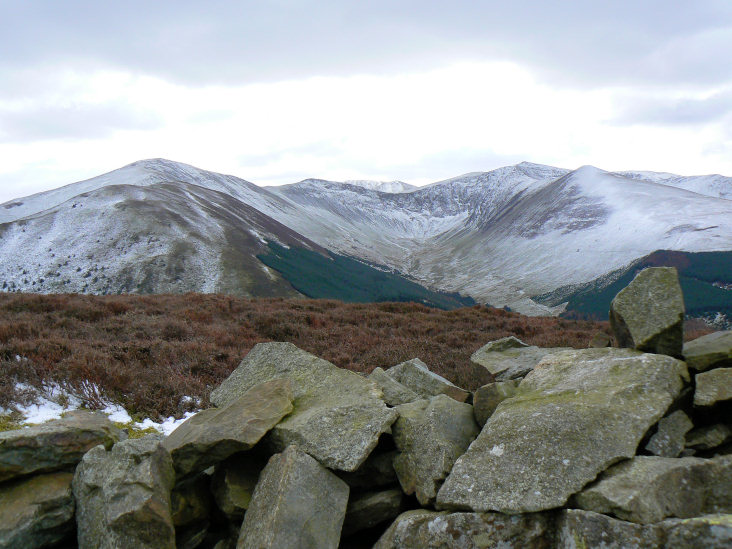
(415, 375)
(369, 509)
(487, 398)
(55, 445)
(394, 392)
(234, 481)
(574, 415)
(422, 529)
(648, 314)
(713, 387)
(578, 529)
(338, 415)
(670, 438)
(36, 511)
(123, 496)
(709, 437)
(430, 435)
(510, 358)
(648, 489)
(297, 503)
(213, 435)
(709, 351)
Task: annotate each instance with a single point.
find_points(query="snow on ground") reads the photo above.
(54, 401)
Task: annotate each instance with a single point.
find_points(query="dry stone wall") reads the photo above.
(603, 447)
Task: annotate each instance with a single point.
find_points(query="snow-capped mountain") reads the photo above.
(383, 186)
(500, 237)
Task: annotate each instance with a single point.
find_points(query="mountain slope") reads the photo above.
(710, 185)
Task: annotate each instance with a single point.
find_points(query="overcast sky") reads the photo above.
(278, 91)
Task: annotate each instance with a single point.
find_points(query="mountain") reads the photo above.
(499, 237)
(711, 185)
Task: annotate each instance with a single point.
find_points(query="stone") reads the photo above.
(36, 511)
(600, 340)
(648, 314)
(709, 351)
(422, 529)
(338, 415)
(487, 398)
(578, 529)
(648, 489)
(370, 509)
(574, 415)
(510, 358)
(376, 472)
(415, 375)
(709, 437)
(212, 435)
(234, 481)
(54, 445)
(394, 392)
(430, 435)
(123, 496)
(712, 387)
(670, 438)
(297, 503)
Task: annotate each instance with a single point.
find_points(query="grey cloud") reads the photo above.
(664, 111)
(83, 121)
(224, 41)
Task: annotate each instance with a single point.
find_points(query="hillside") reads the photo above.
(156, 355)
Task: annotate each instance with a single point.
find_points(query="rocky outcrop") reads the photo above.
(574, 415)
(415, 375)
(430, 435)
(55, 445)
(709, 351)
(338, 415)
(212, 435)
(297, 503)
(36, 511)
(123, 496)
(648, 314)
(510, 358)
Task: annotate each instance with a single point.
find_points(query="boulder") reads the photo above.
(394, 392)
(648, 489)
(708, 438)
(297, 503)
(712, 387)
(574, 415)
(430, 435)
(369, 509)
(190, 500)
(422, 529)
(213, 435)
(234, 481)
(338, 415)
(487, 398)
(55, 445)
(36, 511)
(417, 376)
(648, 314)
(510, 358)
(123, 496)
(709, 351)
(578, 529)
(670, 438)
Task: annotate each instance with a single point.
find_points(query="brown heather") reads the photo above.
(148, 352)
